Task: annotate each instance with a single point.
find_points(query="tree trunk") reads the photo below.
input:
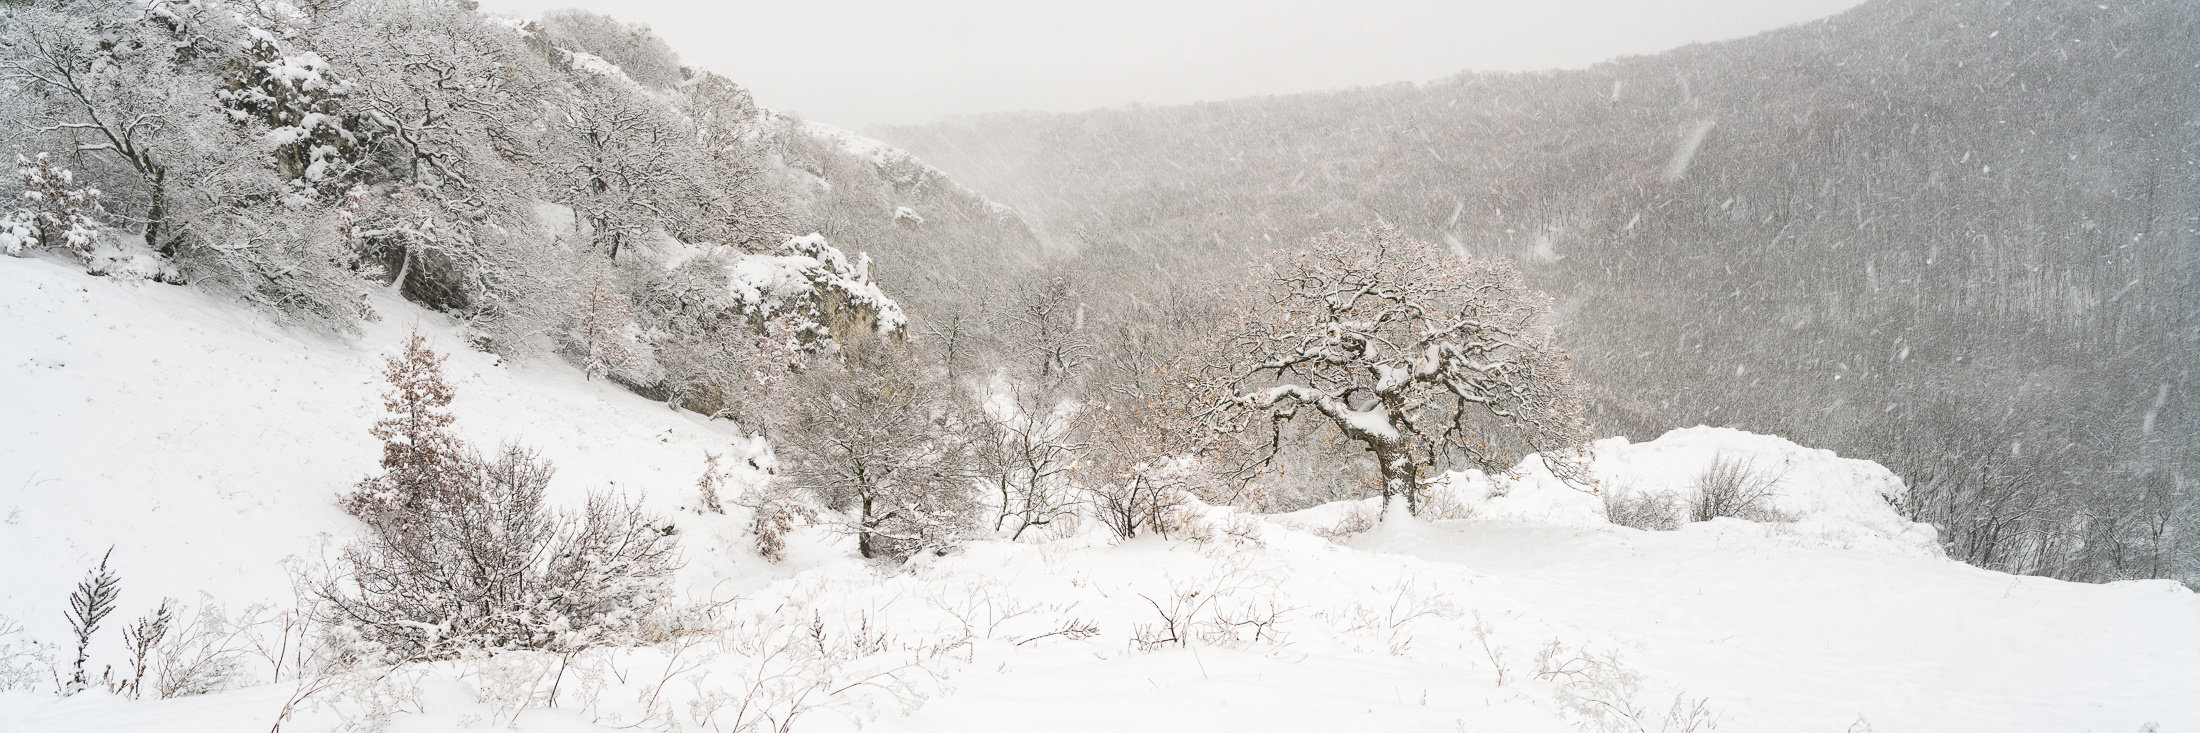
(156, 215)
(863, 537)
(1400, 475)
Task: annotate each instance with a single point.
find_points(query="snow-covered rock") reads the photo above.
(1828, 500)
(811, 278)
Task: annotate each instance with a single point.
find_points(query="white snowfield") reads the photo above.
(205, 446)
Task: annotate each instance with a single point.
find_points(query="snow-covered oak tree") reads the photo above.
(1424, 359)
(626, 164)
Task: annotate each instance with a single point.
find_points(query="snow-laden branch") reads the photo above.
(1419, 357)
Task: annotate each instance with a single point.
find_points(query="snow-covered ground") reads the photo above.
(206, 445)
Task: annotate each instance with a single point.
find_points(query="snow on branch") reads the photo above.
(1422, 358)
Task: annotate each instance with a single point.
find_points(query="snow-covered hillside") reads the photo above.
(203, 443)
(206, 446)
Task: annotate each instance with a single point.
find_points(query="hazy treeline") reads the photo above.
(1954, 237)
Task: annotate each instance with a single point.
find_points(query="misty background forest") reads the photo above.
(1956, 238)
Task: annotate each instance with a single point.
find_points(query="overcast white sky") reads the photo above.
(854, 63)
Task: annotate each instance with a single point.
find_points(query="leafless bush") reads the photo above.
(1072, 629)
(1600, 694)
(490, 566)
(1481, 630)
(1220, 609)
(139, 639)
(1358, 517)
(1133, 496)
(708, 485)
(1738, 488)
(1138, 472)
(1441, 500)
(1393, 622)
(981, 608)
(774, 518)
(1628, 507)
(206, 654)
(789, 671)
(21, 659)
(1025, 449)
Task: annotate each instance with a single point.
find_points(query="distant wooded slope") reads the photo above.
(1955, 237)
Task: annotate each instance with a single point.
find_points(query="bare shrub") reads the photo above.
(1481, 630)
(1134, 477)
(1212, 610)
(1735, 487)
(1440, 500)
(463, 552)
(205, 654)
(1025, 451)
(490, 566)
(93, 599)
(21, 659)
(1393, 622)
(1136, 500)
(1600, 694)
(1655, 512)
(774, 514)
(140, 639)
(708, 485)
(1358, 517)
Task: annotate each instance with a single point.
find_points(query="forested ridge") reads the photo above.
(565, 186)
(1957, 238)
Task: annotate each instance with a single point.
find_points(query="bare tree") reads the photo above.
(50, 55)
(638, 52)
(1045, 325)
(1419, 357)
(743, 209)
(877, 444)
(1025, 448)
(626, 166)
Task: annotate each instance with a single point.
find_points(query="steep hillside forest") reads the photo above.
(565, 186)
(1956, 238)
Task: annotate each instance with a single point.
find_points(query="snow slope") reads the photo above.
(205, 444)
